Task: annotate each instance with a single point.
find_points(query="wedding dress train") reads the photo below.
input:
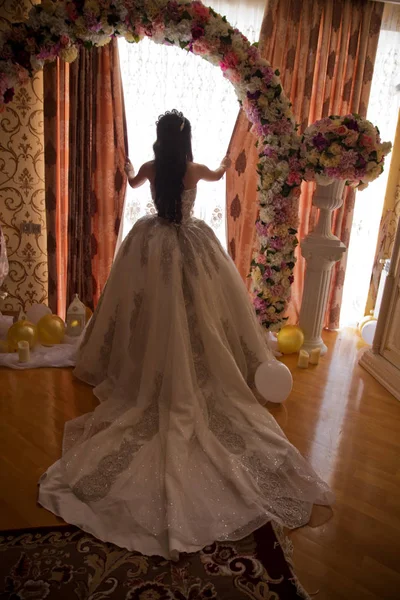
(179, 453)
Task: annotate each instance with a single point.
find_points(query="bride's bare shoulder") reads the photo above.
(148, 166)
(195, 166)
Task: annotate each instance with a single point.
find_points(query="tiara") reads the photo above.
(177, 114)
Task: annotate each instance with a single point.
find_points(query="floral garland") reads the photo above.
(348, 148)
(60, 28)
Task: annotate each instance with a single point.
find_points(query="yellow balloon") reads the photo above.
(89, 313)
(51, 330)
(22, 331)
(290, 339)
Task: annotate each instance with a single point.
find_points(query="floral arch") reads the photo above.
(58, 28)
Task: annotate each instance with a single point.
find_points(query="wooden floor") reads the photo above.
(338, 416)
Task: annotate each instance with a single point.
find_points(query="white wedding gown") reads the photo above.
(178, 453)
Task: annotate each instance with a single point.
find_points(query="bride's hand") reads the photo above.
(129, 170)
(226, 163)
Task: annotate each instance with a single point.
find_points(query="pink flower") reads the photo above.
(267, 273)
(230, 61)
(278, 290)
(201, 11)
(276, 243)
(268, 74)
(253, 53)
(294, 178)
(158, 27)
(201, 47)
(294, 163)
(261, 229)
(334, 172)
(259, 303)
(270, 152)
(341, 130)
(348, 159)
(282, 126)
(309, 174)
(267, 129)
(351, 138)
(366, 141)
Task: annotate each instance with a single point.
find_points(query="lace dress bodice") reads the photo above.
(188, 200)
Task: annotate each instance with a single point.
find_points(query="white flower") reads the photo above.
(267, 214)
(179, 33)
(36, 63)
(386, 148)
(276, 188)
(283, 166)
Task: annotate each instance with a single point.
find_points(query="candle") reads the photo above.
(304, 357)
(314, 356)
(23, 351)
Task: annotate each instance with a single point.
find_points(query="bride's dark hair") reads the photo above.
(172, 152)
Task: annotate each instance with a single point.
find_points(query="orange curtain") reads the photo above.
(389, 222)
(325, 52)
(110, 147)
(86, 145)
(56, 133)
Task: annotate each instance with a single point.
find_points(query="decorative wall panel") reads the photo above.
(22, 184)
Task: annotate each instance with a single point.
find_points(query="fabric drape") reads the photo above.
(56, 133)
(4, 267)
(389, 222)
(325, 52)
(86, 146)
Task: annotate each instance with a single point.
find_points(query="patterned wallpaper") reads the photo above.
(22, 184)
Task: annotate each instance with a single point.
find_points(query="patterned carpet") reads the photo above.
(60, 563)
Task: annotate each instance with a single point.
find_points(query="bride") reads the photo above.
(178, 453)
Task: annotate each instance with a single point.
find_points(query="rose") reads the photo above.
(351, 138)
(197, 32)
(201, 11)
(366, 141)
(294, 178)
(320, 141)
(8, 95)
(229, 61)
(64, 40)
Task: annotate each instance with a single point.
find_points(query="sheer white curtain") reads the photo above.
(158, 78)
(382, 111)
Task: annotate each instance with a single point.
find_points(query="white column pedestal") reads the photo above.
(321, 249)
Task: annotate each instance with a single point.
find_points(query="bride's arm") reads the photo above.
(139, 179)
(208, 175)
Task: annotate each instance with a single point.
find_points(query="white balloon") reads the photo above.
(273, 381)
(36, 312)
(368, 332)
